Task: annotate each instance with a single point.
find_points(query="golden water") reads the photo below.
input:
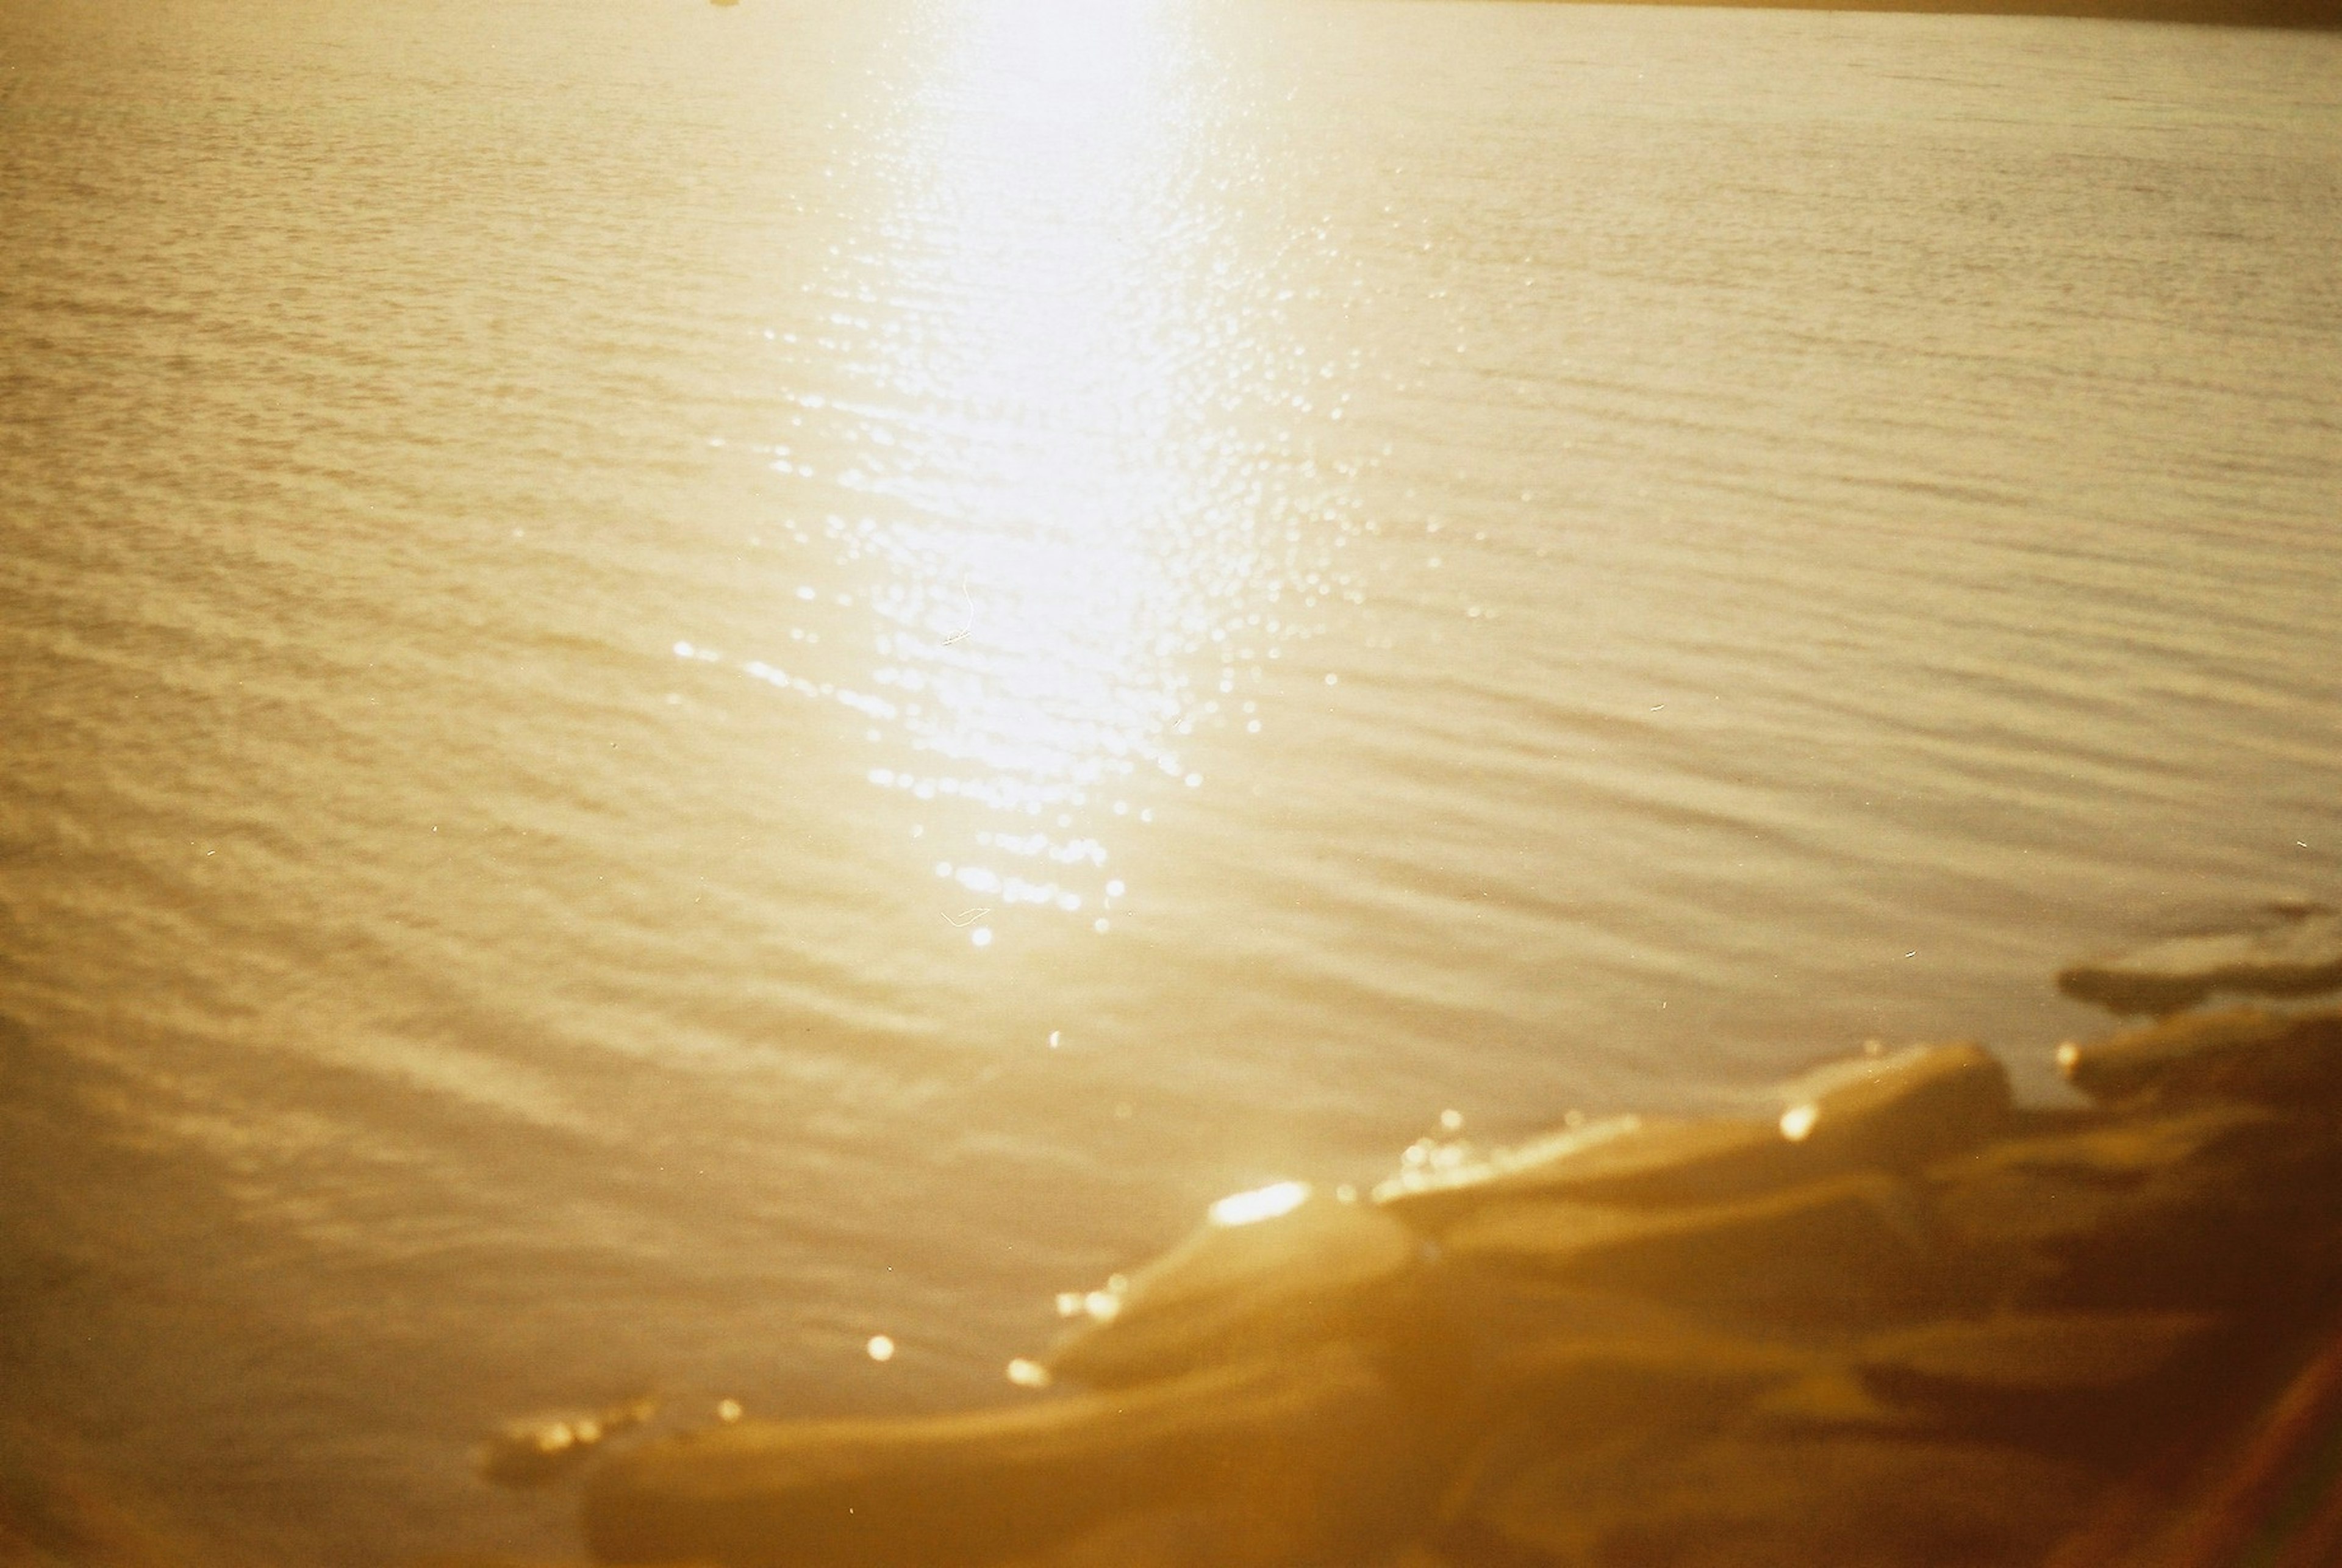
(686, 683)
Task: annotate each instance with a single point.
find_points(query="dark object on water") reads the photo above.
(536, 1451)
(2294, 950)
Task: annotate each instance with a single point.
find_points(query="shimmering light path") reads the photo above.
(694, 689)
(1069, 540)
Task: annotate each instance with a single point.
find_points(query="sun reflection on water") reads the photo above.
(1049, 617)
(1074, 552)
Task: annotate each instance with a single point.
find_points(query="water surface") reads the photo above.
(686, 683)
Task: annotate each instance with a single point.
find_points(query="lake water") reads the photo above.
(686, 684)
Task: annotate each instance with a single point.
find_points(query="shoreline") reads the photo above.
(1905, 1322)
(1908, 1324)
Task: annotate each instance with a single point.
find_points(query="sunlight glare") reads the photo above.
(1261, 1203)
(1066, 545)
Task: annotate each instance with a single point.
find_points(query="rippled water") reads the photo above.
(685, 684)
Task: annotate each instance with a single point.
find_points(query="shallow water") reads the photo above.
(686, 683)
